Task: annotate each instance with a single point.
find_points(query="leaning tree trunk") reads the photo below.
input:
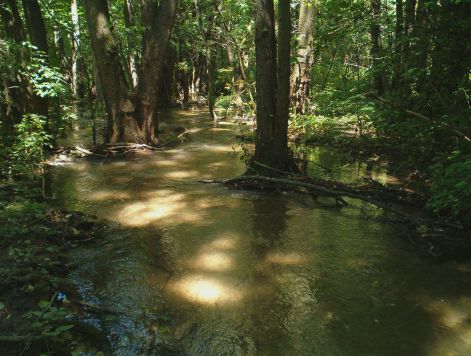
(272, 110)
(159, 21)
(38, 35)
(301, 73)
(122, 125)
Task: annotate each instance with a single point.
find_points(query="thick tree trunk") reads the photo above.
(122, 126)
(272, 110)
(301, 73)
(159, 21)
(38, 35)
(375, 33)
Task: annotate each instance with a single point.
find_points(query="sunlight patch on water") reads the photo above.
(205, 290)
(106, 195)
(181, 174)
(225, 242)
(214, 261)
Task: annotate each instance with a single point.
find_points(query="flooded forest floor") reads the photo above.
(134, 253)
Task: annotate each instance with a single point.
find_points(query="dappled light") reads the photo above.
(261, 260)
(215, 261)
(206, 290)
(243, 177)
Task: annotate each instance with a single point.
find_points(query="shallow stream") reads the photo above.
(202, 270)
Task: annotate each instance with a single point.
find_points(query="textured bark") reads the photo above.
(283, 86)
(271, 134)
(129, 22)
(375, 33)
(122, 126)
(159, 20)
(76, 67)
(301, 72)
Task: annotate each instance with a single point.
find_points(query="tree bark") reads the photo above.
(76, 67)
(301, 73)
(159, 20)
(272, 110)
(122, 126)
(129, 22)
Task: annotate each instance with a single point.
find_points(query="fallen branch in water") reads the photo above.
(334, 192)
(174, 139)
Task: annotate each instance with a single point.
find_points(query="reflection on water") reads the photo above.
(217, 272)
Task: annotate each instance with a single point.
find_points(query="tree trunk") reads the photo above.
(375, 32)
(129, 22)
(38, 35)
(207, 33)
(301, 73)
(16, 87)
(406, 56)
(122, 126)
(272, 111)
(283, 86)
(76, 67)
(421, 44)
(397, 54)
(159, 21)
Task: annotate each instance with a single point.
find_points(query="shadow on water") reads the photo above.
(211, 271)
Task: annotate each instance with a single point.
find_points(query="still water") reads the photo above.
(198, 269)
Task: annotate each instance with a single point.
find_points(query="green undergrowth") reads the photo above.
(443, 177)
(36, 315)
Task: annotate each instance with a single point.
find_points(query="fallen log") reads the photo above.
(320, 190)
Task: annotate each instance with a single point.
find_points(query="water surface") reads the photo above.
(202, 270)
